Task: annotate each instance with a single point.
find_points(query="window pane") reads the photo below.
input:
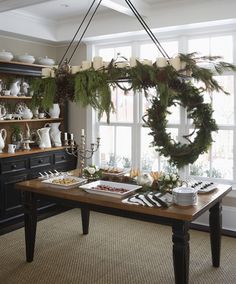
(201, 167)
(149, 157)
(223, 105)
(222, 46)
(109, 53)
(222, 155)
(150, 51)
(123, 104)
(115, 149)
(200, 45)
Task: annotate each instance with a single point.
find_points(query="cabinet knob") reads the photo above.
(40, 161)
(13, 166)
(63, 157)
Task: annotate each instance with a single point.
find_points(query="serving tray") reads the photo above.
(72, 181)
(109, 188)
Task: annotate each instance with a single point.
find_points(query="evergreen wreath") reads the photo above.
(201, 115)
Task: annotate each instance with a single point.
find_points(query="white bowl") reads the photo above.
(26, 58)
(5, 55)
(46, 61)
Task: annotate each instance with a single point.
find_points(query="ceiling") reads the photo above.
(57, 20)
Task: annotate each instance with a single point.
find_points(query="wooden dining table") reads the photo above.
(179, 217)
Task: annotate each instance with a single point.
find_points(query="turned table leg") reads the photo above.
(181, 251)
(30, 218)
(215, 220)
(85, 213)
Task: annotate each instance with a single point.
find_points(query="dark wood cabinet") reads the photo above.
(24, 167)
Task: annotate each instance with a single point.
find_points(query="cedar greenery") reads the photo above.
(93, 87)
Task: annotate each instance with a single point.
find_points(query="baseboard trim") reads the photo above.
(205, 228)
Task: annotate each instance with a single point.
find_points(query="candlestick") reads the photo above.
(65, 136)
(71, 136)
(82, 132)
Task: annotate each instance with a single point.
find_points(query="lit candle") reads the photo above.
(65, 136)
(175, 62)
(71, 136)
(161, 62)
(97, 62)
(82, 132)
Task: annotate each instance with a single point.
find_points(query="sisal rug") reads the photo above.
(116, 251)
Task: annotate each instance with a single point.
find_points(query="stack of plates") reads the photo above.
(185, 196)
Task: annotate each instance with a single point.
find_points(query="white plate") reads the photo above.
(93, 187)
(76, 181)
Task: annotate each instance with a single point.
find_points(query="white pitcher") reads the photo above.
(3, 112)
(55, 133)
(3, 136)
(44, 137)
(54, 111)
(15, 88)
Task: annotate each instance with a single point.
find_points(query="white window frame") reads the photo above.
(92, 124)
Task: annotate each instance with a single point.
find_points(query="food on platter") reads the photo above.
(64, 181)
(110, 188)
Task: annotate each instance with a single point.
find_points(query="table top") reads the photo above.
(185, 213)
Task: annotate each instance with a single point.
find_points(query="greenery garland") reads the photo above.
(93, 87)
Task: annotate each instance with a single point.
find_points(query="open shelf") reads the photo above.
(30, 120)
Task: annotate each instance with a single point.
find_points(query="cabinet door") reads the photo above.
(10, 197)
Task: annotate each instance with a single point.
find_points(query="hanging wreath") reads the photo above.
(181, 154)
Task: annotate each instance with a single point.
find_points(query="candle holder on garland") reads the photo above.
(81, 151)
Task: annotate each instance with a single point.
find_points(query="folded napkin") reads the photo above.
(150, 199)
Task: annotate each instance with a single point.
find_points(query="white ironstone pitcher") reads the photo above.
(44, 137)
(3, 136)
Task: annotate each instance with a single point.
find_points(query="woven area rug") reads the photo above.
(116, 250)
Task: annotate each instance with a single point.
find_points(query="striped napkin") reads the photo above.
(150, 199)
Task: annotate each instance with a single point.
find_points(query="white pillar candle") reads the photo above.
(147, 62)
(71, 136)
(97, 62)
(52, 73)
(46, 72)
(75, 69)
(161, 62)
(175, 62)
(82, 132)
(133, 61)
(86, 65)
(65, 136)
(121, 64)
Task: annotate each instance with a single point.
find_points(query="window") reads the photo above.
(126, 143)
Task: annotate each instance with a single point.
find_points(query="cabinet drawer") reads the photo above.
(62, 157)
(40, 161)
(14, 166)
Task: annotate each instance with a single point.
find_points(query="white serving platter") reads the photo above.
(114, 189)
(75, 181)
